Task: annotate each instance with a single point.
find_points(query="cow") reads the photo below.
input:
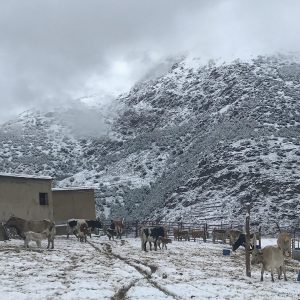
(241, 241)
(22, 226)
(36, 237)
(111, 233)
(164, 241)
(219, 234)
(118, 226)
(84, 230)
(73, 226)
(199, 233)
(284, 243)
(151, 234)
(233, 235)
(181, 233)
(92, 224)
(270, 258)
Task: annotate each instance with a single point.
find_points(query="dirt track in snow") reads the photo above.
(103, 269)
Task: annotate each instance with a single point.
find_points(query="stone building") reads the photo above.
(25, 196)
(78, 203)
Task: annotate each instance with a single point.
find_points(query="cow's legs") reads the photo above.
(272, 274)
(143, 244)
(279, 271)
(50, 240)
(68, 231)
(284, 272)
(262, 273)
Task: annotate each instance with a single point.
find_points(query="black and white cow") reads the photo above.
(151, 235)
(73, 225)
(92, 224)
(241, 241)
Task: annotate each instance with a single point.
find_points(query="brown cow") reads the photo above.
(181, 233)
(117, 226)
(219, 234)
(164, 241)
(23, 226)
(83, 232)
(199, 233)
(233, 235)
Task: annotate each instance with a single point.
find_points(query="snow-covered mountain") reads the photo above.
(197, 142)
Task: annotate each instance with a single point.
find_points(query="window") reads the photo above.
(44, 199)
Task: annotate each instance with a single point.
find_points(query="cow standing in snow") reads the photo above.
(73, 226)
(151, 235)
(270, 258)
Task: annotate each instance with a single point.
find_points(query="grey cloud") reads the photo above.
(55, 50)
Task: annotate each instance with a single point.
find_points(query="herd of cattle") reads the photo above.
(45, 229)
(270, 257)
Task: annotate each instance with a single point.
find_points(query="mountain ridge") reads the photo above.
(197, 142)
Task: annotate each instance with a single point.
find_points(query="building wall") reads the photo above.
(20, 197)
(78, 204)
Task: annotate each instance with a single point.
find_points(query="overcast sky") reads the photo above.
(52, 51)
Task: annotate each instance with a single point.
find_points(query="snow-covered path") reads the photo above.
(105, 269)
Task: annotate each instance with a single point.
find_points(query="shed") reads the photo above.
(25, 196)
(73, 202)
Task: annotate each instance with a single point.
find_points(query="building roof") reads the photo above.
(72, 188)
(27, 176)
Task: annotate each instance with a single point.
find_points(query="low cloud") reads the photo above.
(54, 51)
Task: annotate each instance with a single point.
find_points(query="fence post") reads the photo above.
(248, 268)
(136, 228)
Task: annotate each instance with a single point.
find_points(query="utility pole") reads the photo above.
(248, 268)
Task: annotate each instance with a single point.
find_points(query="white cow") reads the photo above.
(36, 237)
(270, 258)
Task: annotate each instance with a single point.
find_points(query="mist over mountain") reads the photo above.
(196, 141)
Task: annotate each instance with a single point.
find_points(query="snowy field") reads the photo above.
(105, 269)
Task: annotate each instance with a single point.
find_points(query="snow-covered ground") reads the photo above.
(105, 269)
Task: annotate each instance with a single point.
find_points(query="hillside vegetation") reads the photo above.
(196, 143)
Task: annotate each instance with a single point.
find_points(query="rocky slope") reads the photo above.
(196, 143)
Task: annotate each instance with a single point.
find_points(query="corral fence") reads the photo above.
(132, 228)
(296, 244)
